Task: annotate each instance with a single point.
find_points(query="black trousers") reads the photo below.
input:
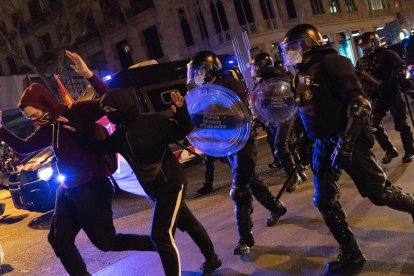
(170, 211)
(245, 184)
(397, 107)
(369, 179)
(88, 207)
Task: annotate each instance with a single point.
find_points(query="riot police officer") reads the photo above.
(336, 114)
(205, 67)
(387, 67)
(262, 69)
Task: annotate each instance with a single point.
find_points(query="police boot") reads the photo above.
(389, 155)
(209, 178)
(275, 215)
(302, 174)
(407, 141)
(244, 227)
(408, 157)
(350, 255)
(206, 189)
(349, 259)
(294, 183)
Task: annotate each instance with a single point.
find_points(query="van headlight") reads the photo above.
(45, 173)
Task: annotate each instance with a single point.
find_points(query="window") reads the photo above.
(202, 25)
(334, 6)
(185, 28)
(243, 11)
(267, 9)
(350, 5)
(219, 16)
(376, 5)
(124, 53)
(317, 7)
(290, 7)
(29, 52)
(153, 43)
(34, 10)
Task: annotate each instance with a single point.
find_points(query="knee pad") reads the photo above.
(241, 195)
(381, 197)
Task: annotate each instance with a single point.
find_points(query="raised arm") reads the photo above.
(82, 69)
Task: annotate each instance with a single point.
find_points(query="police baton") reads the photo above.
(288, 181)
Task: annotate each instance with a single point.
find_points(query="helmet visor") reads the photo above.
(292, 52)
(254, 71)
(197, 72)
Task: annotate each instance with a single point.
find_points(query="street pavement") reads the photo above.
(299, 245)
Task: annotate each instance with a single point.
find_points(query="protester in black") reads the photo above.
(143, 140)
(388, 68)
(83, 200)
(205, 67)
(336, 114)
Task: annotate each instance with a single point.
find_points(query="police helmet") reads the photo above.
(368, 42)
(261, 63)
(299, 40)
(202, 67)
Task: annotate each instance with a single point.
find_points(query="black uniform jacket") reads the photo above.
(324, 87)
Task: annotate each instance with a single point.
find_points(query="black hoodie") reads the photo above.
(143, 140)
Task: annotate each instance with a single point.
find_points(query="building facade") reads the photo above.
(122, 33)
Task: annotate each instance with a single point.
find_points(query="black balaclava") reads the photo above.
(124, 101)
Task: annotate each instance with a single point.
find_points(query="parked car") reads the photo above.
(33, 186)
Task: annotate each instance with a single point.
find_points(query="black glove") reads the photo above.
(342, 155)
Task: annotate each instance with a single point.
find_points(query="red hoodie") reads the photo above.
(76, 164)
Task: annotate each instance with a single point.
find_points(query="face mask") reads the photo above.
(294, 57)
(199, 79)
(46, 118)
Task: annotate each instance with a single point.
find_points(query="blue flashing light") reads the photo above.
(107, 78)
(61, 178)
(231, 62)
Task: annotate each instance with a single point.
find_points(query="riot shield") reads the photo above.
(273, 102)
(222, 121)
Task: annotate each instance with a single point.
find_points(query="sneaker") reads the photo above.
(408, 157)
(275, 216)
(244, 246)
(347, 261)
(389, 155)
(210, 265)
(242, 249)
(205, 190)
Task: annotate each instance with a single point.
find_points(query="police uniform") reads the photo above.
(387, 66)
(245, 181)
(333, 110)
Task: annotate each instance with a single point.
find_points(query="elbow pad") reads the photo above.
(359, 111)
(359, 107)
